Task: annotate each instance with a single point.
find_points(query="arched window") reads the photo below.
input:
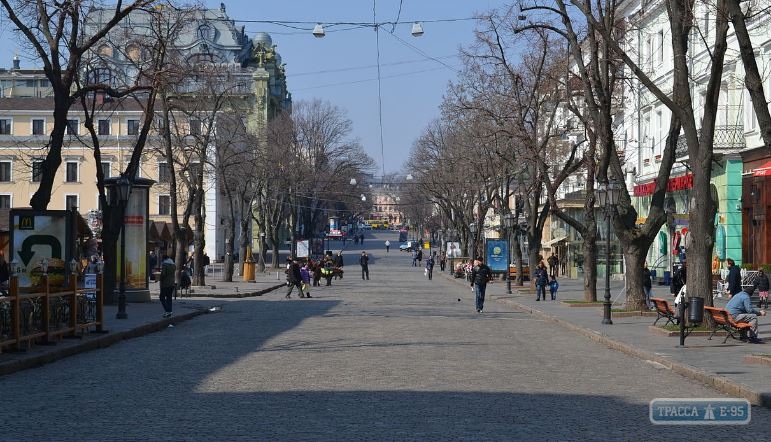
(104, 50)
(133, 52)
(204, 32)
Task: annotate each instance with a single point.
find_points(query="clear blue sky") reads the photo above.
(342, 67)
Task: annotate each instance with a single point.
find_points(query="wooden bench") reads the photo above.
(663, 310)
(724, 321)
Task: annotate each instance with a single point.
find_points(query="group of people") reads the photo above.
(739, 305)
(543, 278)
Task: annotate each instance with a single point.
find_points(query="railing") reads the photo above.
(727, 138)
(29, 318)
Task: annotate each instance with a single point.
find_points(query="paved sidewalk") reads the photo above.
(143, 318)
(719, 365)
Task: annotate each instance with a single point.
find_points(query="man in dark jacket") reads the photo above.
(734, 278)
(364, 263)
(294, 278)
(679, 279)
(480, 275)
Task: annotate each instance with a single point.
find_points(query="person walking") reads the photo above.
(647, 286)
(414, 257)
(305, 277)
(294, 278)
(364, 262)
(167, 283)
(339, 259)
(680, 278)
(480, 275)
(541, 281)
(734, 278)
(430, 267)
(553, 264)
(553, 287)
(442, 260)
(388, 245)
(420, 256)
(761, 285)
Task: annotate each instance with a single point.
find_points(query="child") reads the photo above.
(305, 276)
(762, 285)
(553, 287)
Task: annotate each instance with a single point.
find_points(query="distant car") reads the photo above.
(365, 227)
(408, 246)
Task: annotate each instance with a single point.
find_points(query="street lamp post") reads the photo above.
(508, 222)
(123, 187)
(607, 195)
(473, 229)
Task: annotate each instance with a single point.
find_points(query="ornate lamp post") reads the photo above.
(473, 229)
(123, 188)
(508, 223)
(607, 196)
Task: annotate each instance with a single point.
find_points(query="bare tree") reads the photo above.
(60, 35)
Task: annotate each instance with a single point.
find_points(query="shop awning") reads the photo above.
(554, 241)
(763, 170)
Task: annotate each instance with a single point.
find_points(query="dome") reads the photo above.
(263, 38)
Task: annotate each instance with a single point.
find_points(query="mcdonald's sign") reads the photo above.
(26, 222)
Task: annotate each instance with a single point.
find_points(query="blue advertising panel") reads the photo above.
(497, 255)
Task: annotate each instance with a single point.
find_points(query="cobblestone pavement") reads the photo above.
(396, 357)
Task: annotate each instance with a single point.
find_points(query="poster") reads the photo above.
(39, 235)
(497, 255)
(453, 249)
(303, 249)
(136, 239)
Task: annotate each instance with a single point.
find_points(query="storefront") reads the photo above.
(756, 212)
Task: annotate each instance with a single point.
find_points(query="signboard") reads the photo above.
(303, 249)
(136, 237)
(453, 249)
(38, 235)
(497, 255)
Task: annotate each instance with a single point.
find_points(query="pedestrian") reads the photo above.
(305, 276)
(339, 259)
(293, 278)
(740, 307)
(679, 279)
(206, 262)
(430, 267)
(388, 245)
(761, 285)
(480, 275)
(647, 286)
(553, 261)
(152, 261)
(364, 262)
(734, 278)
(168, 273)
(541, 281)
(414, 257)
(553, 287)
(442, 260)
(420, 256)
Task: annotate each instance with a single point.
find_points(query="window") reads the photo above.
(5, 201)
(37, 171)
(195, 127)
(5, 171)
(133, 52)
(194, 169)
(164, 174)
(107, 169)
(72, 127)
(132, 127)
(103, 127)
(164, 205)
(38, 126)
(70, 202)
(72, 172)
(5, 126)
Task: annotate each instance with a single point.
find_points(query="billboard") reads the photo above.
(38, 235)
(497, 255)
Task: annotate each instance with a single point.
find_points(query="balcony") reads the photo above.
(727, 139)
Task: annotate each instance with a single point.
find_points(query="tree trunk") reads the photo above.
(635, 294)
(42, 196)
(590, 266)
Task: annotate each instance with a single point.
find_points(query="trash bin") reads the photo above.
(695, 310)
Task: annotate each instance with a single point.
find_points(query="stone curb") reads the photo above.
(718, 382)
(757, 359)
(95, 343)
